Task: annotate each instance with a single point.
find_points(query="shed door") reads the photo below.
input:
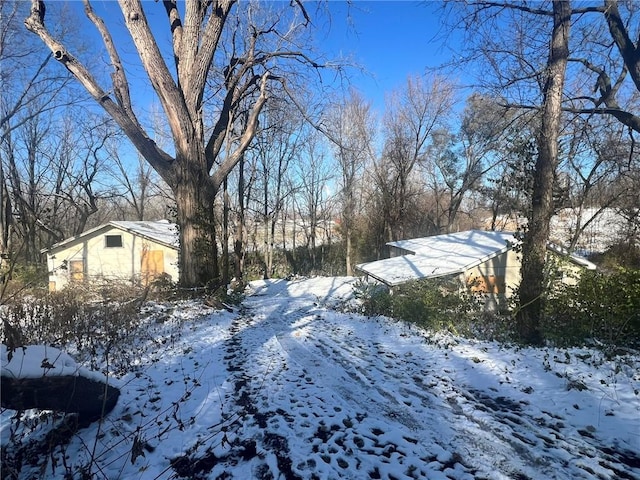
(152, 265)
(487, 284)
(76, 270)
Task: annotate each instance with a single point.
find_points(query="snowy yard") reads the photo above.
(287, 387)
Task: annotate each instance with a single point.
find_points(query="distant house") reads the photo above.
(484, 261)
(129, 251)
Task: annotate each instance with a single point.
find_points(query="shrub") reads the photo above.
(89, 322)
(17, 278)
(436, 304)
(374, 298)
(104, 327)
(604, 307)
(432, 303)
(623, 254)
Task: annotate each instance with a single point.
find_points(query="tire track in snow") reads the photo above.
(500, 420)
(374, 439)
(393, 423)
(268, 451)
(359, 409)
(541, 440)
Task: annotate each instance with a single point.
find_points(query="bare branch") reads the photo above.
(197, 53)
(118, 77)
(21, 100)
(620, 35)
(158, 158)
(513, 6)
(247, 136)
(175, 24)
(630, 120)
(537, 11)
(303, 10)
(170, 96)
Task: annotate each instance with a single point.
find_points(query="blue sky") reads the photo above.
(390, 39)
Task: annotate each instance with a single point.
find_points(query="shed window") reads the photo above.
(112, 241)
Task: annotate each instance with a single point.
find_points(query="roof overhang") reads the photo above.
(113, 224)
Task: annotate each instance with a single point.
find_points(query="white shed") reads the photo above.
(136, 252)
(485, 261)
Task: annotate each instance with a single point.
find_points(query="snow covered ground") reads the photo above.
(288, 387)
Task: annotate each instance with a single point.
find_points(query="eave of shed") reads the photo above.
(162, 232)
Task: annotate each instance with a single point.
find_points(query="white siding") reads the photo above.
(107, 263)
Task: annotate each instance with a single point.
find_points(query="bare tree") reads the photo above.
(456, 165)
(485, 129)
(27, 79)
(52, 171)
(278, 144)
(381, 200)
(413, 114)
(312, 200)
(30, 87)
(531, 33)
(240, 56)
(244, 189)
(139, 193)
(24, 173)
(605, 53)
(351, 131)
(534, 250)
(600, 152)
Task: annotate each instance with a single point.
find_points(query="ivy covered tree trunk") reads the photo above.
(195, 217)
(532, 288)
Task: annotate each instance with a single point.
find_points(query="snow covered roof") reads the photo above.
(577, 259)
(161, 231)
(472, 243)
(438, 256)
(443, 255)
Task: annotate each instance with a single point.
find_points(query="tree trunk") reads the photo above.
(348, 248)
(198, 248)
(6, 218)
(312, 239)
(294, 233)
(194, 174)
(239, 244)
(266, 242)
(5, 223)
(283, 225)
(225, 235)
(272, 245)
(532, 288)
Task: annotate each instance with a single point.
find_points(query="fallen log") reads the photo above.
(46, 378)
(70, 394)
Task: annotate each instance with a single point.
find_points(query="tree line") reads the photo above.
(248, 149)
